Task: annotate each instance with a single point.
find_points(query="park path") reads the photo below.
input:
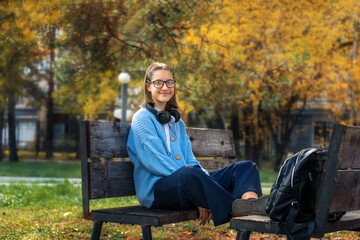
(37, 180)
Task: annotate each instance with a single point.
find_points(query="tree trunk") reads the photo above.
(249, 132)
(234, 123)
(253, 148)
(1, 135)
(77, 139)
(282, 141)
(214, 121)
(49, 129)
(248, 142)
(280, 152)
(259, 146)
(258, 151)
(49, 148)
(254, 141)
(13, 157)
(37, 144)
(281, 133)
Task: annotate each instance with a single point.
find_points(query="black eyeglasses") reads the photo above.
(160, 83)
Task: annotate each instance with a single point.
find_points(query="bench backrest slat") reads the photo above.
(211, 142)
(340, 186)
(103, 179)
(107, 139)
(346, 195)
(350, 150)
(347, 187)
(111, 179)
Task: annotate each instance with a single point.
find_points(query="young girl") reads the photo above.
(166, 173)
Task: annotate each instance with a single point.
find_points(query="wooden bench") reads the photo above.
(105, 178)
(339, 191)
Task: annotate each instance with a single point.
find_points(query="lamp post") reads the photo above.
(124, 78)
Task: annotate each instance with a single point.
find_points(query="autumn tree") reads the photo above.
(264, 61)
(20, 26)
(2, 112)
(342, 71)
(13, 47)
(101, 38)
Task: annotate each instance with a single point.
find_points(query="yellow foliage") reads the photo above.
(265, 54)
(95, 98)
(185, 107)
(28, 15)
(254, 37)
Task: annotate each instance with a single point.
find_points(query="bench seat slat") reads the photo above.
(259, 223)
(254, 223)
(350, 220)
(144, 216)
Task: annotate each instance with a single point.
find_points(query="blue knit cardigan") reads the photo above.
(149, 153)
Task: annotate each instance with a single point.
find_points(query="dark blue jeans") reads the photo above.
(190, 187)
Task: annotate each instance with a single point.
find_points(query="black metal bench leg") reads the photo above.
(96, 230)
(146, 231)
(243, 235)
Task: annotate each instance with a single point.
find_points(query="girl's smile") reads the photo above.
(162, 95)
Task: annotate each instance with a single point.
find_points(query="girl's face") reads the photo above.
(161, 95)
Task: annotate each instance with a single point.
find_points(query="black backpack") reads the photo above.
(294, 194)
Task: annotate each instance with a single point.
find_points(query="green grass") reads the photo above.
(267, 176)
(70, 170)
(54, 211)
(40, 169)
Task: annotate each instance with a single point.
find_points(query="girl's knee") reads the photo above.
(191, 169)
(246, 164)
(191, 172)
(246, 167)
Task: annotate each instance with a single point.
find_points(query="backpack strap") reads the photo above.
(298, 232)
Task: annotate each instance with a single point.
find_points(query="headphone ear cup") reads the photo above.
(175, 114)
(163, 117)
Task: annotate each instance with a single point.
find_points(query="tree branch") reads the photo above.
(11, 15)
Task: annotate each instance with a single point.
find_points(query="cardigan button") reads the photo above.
(178, 157)
(172, 139)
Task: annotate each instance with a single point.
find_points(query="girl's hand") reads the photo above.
(204, 215)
